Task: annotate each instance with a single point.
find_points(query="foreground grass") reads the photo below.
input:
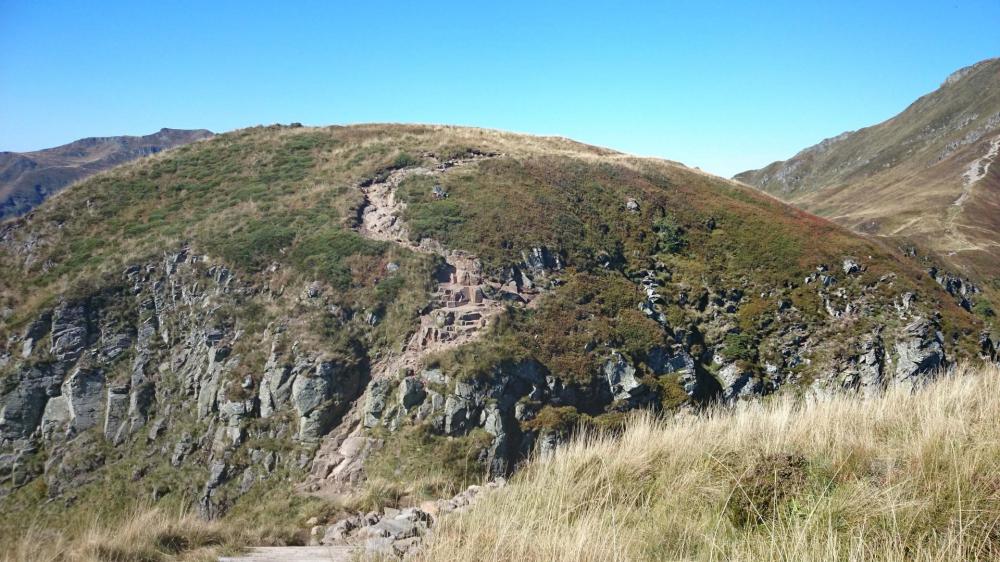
(148, 535)
(907, 476)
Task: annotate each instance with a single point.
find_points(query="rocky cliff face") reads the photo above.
(518, 403)
(152, 358)
(402, 303)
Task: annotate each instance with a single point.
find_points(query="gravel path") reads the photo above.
(295, 554)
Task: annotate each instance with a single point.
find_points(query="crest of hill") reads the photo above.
(540, 191)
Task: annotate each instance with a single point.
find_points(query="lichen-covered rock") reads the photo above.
(321, 396)
(38, 329)
(960, 288)
(23, 406)
(275, 386)
(115, 412)
(69, 331)
(988, 348)
(870, 366)
(217, 475)
(456, 414)
(919, 352)
(621, 377)
(375, 402)
(540, 260)
(56, 417)
(739, 383)
(682, 364)
(411, 392)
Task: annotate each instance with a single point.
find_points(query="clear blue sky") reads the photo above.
(721, 85)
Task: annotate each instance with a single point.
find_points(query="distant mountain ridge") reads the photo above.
(924, 175)
(28, 178)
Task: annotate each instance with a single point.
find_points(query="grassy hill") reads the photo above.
(923, 175)
(208, 327)
(904, 476)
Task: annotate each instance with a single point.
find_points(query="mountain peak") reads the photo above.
(961, 73)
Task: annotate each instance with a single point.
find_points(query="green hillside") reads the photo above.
(267, 321)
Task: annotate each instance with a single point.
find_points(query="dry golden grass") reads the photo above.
(147, 535)
(906, 476)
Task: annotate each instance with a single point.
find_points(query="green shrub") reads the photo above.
(322, 253)
(254, 245)
(740, 347)
(670, 234)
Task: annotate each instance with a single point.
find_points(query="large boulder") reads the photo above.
(411, 392)
(540, 259)
(662, 362)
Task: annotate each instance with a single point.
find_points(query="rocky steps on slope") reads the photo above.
(463, 304)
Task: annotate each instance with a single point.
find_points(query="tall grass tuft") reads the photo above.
(147, 535)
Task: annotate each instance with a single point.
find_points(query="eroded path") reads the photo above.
(976, 171)
(461, 307)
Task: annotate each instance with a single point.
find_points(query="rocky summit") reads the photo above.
(315, 326)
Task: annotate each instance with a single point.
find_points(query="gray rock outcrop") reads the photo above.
(919, 352)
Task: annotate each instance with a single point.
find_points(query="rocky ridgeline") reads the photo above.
(962, 289)
(396, 532)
